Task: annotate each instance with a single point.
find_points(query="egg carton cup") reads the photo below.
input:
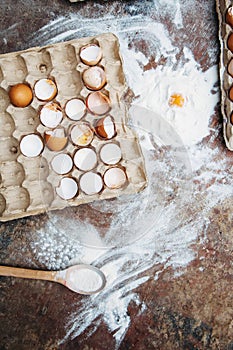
(28, 185)
(226, 80)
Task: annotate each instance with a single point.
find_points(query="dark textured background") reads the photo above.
(193, 311)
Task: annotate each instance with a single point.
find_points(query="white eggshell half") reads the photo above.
(45, 89)
(91, 183)
(62, 163)
(51, 115)
(85, 159)
(91, 54)
(94, 78)
(110, 153)
(75, 109)
(81, 134)
(114, 178)
(68, 188)
(31, 145)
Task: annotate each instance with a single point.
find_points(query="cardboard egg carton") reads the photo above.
(28, 185)
(226, 79)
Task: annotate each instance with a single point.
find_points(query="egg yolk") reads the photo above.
(84, 138)
(176, 100)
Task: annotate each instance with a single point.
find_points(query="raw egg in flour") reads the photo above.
(20, 95)
(176, 100)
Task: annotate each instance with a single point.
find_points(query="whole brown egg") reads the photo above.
(20, 95)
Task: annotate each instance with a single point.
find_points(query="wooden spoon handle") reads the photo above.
(27, 273)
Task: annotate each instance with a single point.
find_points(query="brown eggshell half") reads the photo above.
(56, 140)
(105, 128)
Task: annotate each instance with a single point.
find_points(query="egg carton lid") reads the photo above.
(225, 79)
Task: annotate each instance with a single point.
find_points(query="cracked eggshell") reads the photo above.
(62, 163)
(98, 103)
(45, 89)
(68, 188)
(20, 95)
(31, 145)
(110, 153)
(105, 128)
(75, 109)
(85, 159)
(90, 54)
(91, 183)
(51, 115)
(94, 78)
(115, 178)
(56, 140)
(81, 134)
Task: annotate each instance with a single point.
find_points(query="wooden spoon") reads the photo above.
(82, 278)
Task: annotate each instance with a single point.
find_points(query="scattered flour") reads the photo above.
(189, 121)
(177, 176)
(171, 7)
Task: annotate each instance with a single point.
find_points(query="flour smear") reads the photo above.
(178, 166)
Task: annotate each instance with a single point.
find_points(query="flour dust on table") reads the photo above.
(159, 226)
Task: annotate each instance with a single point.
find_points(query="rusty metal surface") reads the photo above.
(190, 311)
